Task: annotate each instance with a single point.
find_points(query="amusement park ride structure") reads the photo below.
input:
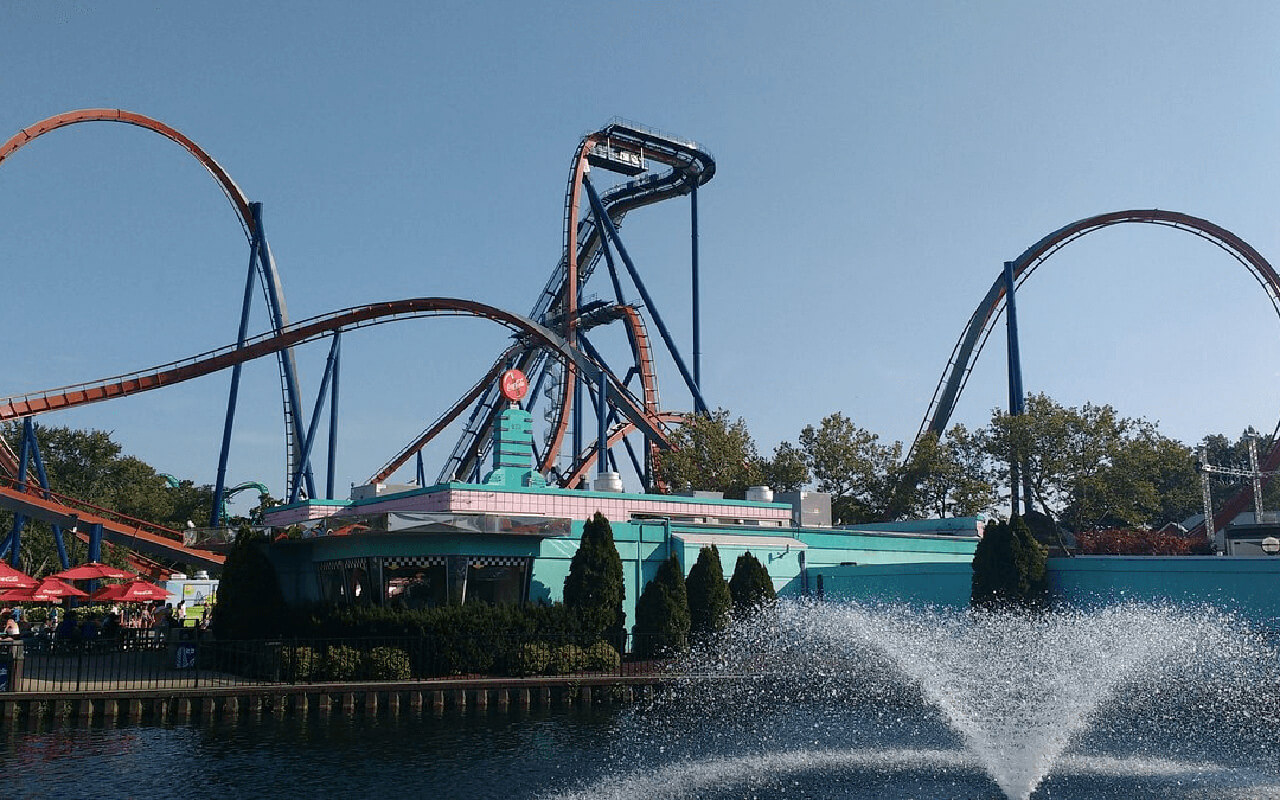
(552, 345)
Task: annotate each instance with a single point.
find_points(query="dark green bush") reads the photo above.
(601, 657)
(709, 598)
(566, 659)
(531, 659)
(1009, 566)
(662, 614)
(341, 663)
(299, 664)
(387, 664)
(750, 587)
(594, 588)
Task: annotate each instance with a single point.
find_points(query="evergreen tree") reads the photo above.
(594, 588)
(662, 613)
(1008, 566)
(709, 598)
(750, 587)
(250, 604)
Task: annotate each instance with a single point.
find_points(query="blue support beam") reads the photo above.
(220, 485)
(699, 405)
(602, 426)
(276, 306)
(1018, 480)
(333, 414)
(697, 312)
(295, 485)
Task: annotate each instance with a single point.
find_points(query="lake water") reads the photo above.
(842, 702)
(877, 754)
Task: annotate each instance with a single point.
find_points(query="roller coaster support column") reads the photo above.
(578, 397)
(602, 426)
(1017, 397)
(330, 368)
(219, 487)
(30, 449)
(612, 235)
(697, 314)
(276, 303)
(333, 414)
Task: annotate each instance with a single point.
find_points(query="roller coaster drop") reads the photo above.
(551, 344)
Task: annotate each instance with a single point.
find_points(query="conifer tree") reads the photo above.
(709, 599)
(662, 613)
(594, 588)
(750, 587)
(1008, 566)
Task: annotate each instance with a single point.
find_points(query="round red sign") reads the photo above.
(514, 385)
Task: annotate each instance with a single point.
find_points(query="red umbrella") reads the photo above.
(135, 591)
(50, 590)
(93, 570)
(11, 578)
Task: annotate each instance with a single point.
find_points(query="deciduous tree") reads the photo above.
(711, 452)
(852, 465)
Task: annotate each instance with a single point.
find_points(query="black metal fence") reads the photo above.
(189, 659)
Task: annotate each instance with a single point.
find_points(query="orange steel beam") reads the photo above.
(118, 529)
(27, 135)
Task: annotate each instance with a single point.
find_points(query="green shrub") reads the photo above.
(594, 588)
(299, 664)
(662, 614)
(341, 663)
(709, 598)
(387, 664)
(566, 659)
(750, 587)
(601, 657)
(531, 659)
(1008, 566)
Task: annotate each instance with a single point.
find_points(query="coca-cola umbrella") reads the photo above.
(11, 578)
(50, 590)
(93, 570)
(135, 591)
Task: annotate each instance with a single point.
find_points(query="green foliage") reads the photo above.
(387, 664)
(850, 463)
(460, 640)
(594, 588)
(601, 657)
(87, 465)
(341, 663)
(300, 664)
(250, 603)
(750, 587)
(708, 594)
(1008, 567)
(1089, 467)
(711, 453)
(566, 659)
(531, 659)
(787, 471)
(662, 613)
(946, 478)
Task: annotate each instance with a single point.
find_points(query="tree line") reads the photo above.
(1088, 468)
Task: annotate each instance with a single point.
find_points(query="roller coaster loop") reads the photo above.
(965, 353)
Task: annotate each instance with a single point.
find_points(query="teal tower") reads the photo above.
(513, 451)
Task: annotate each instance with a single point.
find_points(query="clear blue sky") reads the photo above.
(877, 163)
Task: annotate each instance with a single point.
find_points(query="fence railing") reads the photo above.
(190, 659)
